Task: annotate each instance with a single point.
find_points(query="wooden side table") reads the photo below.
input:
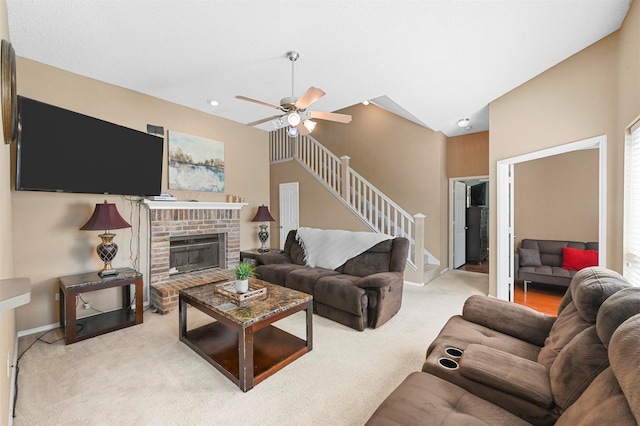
(249, 256)
(72, 285)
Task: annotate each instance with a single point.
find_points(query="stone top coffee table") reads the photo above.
(242, 343)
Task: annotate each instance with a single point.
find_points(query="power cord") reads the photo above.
(17, 365)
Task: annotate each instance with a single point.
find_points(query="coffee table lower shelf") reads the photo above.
(273, 349)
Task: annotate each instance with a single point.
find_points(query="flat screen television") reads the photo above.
(479, 195)
(63, 151)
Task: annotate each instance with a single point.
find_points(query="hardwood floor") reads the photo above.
(543, 298)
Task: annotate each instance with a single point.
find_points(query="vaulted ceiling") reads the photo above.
(431, 61)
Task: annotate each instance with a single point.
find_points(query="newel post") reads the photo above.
(344, 172)
(419, 244)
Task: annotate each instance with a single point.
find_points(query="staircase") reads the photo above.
(377, 211)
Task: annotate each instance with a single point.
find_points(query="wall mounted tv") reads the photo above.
(63, 151)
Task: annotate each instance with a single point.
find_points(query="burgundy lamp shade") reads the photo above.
(104, 218)
(263, 215)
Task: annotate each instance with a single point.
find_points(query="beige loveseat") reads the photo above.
(516, 366)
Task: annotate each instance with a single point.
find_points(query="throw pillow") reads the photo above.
(529, 257)
(576, 259)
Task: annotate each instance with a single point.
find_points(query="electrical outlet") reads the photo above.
(56, 297)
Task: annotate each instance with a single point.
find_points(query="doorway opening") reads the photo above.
(505, 214)
(469, 223)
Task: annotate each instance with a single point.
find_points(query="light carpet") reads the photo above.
(144, 375)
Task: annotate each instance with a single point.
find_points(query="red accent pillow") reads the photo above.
(576, 259)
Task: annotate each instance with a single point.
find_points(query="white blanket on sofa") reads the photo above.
(329, 248)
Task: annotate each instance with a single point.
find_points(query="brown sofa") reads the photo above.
(540, 261)
(366, 291)
(495, 379)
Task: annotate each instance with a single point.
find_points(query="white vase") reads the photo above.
(242, 286)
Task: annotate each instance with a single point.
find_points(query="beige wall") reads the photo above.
(7, 318)
(556, 197)
(595, 92)
(402, 159)
(468, 155)
(318, 207)
(48, 243)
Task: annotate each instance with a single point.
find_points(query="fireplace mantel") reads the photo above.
(200, 205)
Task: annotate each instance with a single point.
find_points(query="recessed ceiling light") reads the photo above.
(365, 102)
(213, 102)
(463, 122)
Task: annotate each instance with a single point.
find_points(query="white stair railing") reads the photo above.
(370, 204)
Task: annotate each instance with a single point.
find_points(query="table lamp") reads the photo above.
(106, 217)
(263, 216)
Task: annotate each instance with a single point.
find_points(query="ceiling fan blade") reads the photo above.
(330, 116)
(264, 120)
(303, 131)
(310, 96)
(256, 101)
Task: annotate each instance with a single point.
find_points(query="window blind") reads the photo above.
(632, 207)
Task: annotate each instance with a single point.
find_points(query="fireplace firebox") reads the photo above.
(191, 253)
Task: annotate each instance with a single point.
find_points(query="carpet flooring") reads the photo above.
(144, 375)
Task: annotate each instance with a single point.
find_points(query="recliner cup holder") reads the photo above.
(448, 363)
(453, 352)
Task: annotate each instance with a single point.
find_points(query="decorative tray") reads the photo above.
(256, 292)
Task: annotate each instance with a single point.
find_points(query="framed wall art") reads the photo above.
(195, 163)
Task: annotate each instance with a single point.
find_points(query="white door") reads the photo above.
(459, 223)
(289, 216)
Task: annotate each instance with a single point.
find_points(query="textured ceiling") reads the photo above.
(432, 61)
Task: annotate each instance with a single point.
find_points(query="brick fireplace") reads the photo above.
(175, 219)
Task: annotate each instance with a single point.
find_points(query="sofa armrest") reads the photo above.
(381, 280)
(271, 258)
(511, 374)
(508, 318)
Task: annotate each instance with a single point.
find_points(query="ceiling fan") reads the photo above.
(295, 111)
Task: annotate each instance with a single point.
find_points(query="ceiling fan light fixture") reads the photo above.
(463, 122)
(309, 125)
(293, 119)
(213, 102)
(292, 132)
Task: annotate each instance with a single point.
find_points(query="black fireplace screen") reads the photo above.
(194, 253)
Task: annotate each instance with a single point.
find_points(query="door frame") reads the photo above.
(451, 206)
(505, 198)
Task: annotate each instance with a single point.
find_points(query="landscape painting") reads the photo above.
(195, 164)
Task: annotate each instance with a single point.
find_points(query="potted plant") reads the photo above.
(242, 272)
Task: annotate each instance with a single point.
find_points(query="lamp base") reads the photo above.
(108, 273)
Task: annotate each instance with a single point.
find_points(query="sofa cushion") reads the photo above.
(460, 333)
(277, 272)
(576, 366)
(509, 373)
(372, 261)
(423, 399)
(575, 259)
(589, 288)
(598, 405)
(304, 279)
(616, 310)
(341, 292)
(529, 257)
